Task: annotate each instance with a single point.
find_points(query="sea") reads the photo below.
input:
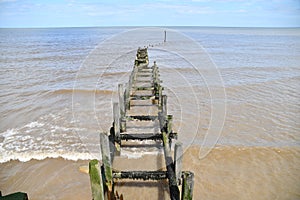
(234, 94)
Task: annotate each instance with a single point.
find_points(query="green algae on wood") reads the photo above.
(96, 180)
(187, 185)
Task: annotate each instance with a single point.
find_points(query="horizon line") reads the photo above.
(134, 26)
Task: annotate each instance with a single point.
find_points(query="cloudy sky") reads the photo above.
(77, 13)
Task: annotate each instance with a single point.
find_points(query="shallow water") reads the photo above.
(56, 97)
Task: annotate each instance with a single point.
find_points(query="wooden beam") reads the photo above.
(163, 105)
(178, 156)
(187, 185)
(169, 123)
(145, 136)
(144, 175)
(106, 160)
(121, 100)
(96, 180)
(143, 117)
(116, 112)
(174, 191)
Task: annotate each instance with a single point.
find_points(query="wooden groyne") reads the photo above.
(14, 196)
(141, 99)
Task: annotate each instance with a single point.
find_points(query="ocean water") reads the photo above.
(233, 92)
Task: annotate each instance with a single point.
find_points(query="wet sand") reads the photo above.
(226, 173)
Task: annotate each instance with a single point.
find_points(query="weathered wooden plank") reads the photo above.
(174, 190)
(143, 117)
(169, 124)
(144, 175)
(145, 136)
(127, 97)
(163, 105)
(121, 100)
(116, 112)
(131, 82)
(144, 75)
(145, 70)
(178, 156)
(155, 73)
(156, 91)
(143, 88)
(122, 104)
(187, 185)
(160, 89)
(96, 180)
(162, 120)
(106, 160)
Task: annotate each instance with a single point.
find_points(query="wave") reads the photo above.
(27, 156)
(84, 91)
(190, 153)
(43, 139)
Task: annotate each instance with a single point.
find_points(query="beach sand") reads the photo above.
(226, 173)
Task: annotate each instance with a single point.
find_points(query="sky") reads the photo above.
(90, 13)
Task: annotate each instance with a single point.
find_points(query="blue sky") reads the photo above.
(77, 13)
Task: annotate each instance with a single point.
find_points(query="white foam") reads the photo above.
(66, 129)
(25, 157)
(9, 133)
(34, 125)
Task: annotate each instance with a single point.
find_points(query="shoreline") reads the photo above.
(58, 178)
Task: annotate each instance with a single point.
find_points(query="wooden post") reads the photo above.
(168, 128)
(156, 82)
(157, 88)
(174, 191)
(160, 92)
(165, 38)
(121, 99)
(135, 69)
(169, 123)
(127, 98)
(132, 80)
(155, 73)
(96, 180)
(123, 124)
(178, 156)
(116, 112)
(164, 104)
(122, 107)
(117, 139)
(107, 164)
(187, 185)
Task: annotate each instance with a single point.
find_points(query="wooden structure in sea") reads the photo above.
(14, 196)
(144, 86)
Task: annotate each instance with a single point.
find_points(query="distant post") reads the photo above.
(165, 40)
